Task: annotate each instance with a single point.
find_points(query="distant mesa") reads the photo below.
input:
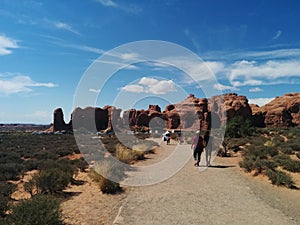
(190, 114)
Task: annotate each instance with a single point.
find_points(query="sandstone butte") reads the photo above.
(190, 114)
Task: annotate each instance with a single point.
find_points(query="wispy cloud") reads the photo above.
(108, 3)
(151, 86)
(93, 90)
(252, 73)
(256, 89)
(197, 70)
(128, 8)
(270, 54)
(19, 84)
(277, 35)
(65, 26)
(222, 87)
(6, 44)
(192, 38)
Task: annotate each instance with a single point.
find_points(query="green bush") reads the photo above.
(10, 171)
(280, 178)
(238, 126)
(48, 182)
(291, 165)
(39, 210)
(6, 189)
(102, 171)
(286, 150)
(280, 159)
(247, 163)
(81, 164)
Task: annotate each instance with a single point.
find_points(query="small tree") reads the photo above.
(238, 127)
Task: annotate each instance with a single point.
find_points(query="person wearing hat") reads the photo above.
(197, 146)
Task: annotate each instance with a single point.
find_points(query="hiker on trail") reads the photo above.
(179, 137)
(208, 144)
(167, 137)
(197, 146)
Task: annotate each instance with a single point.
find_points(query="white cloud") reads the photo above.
(256, 89)
(148, 81)
(252, 73)
(135, 88)
(222, 87)
(65, 26)
(259, 101)
(6, 44)
(151, 86)
(128, 8)
(108, 3)
(129, 56)
(199, 71)
(19, 84)
(162, 87)
(277, 35)
(97, 91)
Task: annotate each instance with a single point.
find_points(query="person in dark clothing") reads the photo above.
(197, 146)
(208, 143)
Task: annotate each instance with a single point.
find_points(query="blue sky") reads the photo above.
(252, 47)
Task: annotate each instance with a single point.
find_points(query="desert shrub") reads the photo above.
(286, 150)
(238, 126)
(6, 189)
(291, 165)
(102, 171)
(262, 152)
(278, 177)
(39, 210)
(257, 164)
(281, 159)
(10, 171)
(124, 154)
(43, 155)
(10, 157)
(127, 155)
(81, 164)
(247, 163)
(294, 145)
(48, 182)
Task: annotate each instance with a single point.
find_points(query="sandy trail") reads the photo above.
(219, 195)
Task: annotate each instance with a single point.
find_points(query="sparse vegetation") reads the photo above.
(107, 173)
(22, 152)
(39, 210)
(278, 177)
(267, 151)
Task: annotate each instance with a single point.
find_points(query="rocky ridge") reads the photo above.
(190, 114)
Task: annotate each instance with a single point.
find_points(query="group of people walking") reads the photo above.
(200, 143)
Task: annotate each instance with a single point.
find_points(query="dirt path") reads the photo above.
(222, 194)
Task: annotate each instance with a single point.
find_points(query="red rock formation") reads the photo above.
(142, 118)
(282, 111)
(191, 114)
(59, 122)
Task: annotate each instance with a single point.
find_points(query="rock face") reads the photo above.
(144, 118)
(190, 114)
(281, 112)
(59, 122)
